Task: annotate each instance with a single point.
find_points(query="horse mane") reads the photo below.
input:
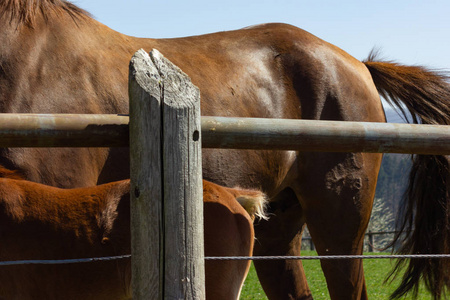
(25, 11)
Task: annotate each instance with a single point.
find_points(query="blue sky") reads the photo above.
(408, 31)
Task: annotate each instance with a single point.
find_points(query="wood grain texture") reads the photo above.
(146, 178)
(183, 205)
(324, 136)
(94, 130)
(63, 130)
(167, 204)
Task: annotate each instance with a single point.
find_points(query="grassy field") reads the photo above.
(375, 271)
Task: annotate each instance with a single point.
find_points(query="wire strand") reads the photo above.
(324, 257)
(62, 261)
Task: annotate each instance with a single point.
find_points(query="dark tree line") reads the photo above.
(392, 179)
(394, 173)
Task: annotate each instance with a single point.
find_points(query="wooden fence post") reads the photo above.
(370, 235)
(166, 197)
(311, 244)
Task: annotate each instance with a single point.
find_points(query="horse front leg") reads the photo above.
(281, 236)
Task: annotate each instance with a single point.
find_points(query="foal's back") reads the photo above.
(47, 223)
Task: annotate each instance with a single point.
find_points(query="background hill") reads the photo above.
(392, 179)
(391, 185)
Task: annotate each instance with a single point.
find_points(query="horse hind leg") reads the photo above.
(338, 195)
(281, 235)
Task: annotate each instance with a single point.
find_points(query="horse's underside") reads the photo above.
(66, 62)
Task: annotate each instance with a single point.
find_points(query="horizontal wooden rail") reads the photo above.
(90, 130)
(324, 136)
(63, 130)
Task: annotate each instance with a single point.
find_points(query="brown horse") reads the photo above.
(54, 58)
(43, 222)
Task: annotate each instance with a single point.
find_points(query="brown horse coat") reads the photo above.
(39, 222)
(54, 58)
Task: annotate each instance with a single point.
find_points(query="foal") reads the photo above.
(44, 222)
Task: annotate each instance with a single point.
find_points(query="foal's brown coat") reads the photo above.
(55, 59)
(43, 222)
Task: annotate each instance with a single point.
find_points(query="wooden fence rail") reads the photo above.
(321, 136)
(63, 130)
(91, 130)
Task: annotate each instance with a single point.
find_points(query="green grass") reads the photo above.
(376, 271)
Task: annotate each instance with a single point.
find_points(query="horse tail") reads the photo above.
(422, 96)
(254, 202)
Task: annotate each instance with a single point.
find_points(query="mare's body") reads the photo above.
(65, 62)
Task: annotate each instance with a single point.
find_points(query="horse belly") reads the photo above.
(264, 170)
(60, 167)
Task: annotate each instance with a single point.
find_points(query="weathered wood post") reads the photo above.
(166, 194)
